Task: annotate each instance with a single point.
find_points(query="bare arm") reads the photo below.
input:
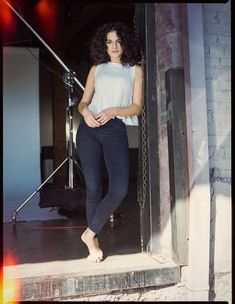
(86, 99)
(132, 110)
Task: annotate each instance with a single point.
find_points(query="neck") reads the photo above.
(115, 60)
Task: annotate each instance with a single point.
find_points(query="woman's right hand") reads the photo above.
(90, 119)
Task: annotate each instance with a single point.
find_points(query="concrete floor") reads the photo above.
(45, 241)
(50, 252)
(59, 240)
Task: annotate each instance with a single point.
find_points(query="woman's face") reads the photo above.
(114, 46)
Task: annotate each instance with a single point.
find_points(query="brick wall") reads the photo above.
(168, 55)
(217, 42)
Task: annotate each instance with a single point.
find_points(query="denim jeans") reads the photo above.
(111, 140)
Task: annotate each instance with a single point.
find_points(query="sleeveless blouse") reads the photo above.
(114, 85)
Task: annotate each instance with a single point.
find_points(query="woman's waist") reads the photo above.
(97, 106)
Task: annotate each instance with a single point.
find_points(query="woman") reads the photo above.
(112, 99)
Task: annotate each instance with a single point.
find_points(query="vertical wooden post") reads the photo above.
(178, 165)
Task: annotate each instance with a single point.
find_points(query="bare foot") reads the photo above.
(98, 245)
(96, 254)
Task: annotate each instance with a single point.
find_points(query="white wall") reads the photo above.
(217, 41)
(21, 135)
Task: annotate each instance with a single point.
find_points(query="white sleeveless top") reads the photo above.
(114, 85)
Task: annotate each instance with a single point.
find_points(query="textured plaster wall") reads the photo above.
(217, 41)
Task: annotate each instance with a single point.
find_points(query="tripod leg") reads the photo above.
(29, 198)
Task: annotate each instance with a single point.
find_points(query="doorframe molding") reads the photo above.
(150, 221)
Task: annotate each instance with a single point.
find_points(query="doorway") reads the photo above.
(142, 208)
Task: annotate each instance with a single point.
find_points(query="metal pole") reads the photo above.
(44, 43)
(70, 137)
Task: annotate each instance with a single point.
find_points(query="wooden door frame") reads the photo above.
(150, 213)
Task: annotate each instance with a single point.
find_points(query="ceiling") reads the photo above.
(63, 25)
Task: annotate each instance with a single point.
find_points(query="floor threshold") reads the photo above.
(61, 279)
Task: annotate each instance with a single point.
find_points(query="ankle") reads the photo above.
(88, 233)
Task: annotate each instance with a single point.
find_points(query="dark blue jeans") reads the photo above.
(111, 141)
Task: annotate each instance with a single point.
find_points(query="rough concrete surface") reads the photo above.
(177, 292)
(223, 287)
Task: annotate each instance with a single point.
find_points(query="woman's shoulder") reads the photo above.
(138, 67)
(138, 70)
(97, 66)
(94, 68)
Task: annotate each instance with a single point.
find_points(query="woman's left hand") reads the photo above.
(104, 116)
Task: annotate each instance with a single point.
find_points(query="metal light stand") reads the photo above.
(69, 79)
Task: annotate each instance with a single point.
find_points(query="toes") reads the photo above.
(99, 259)
(95, 258)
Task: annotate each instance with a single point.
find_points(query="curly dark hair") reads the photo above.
(131, 46)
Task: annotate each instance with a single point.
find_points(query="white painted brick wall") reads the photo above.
(225, 62)
(219, 96)
(212, 62)
(227, 51)
(216, 51)
(225, 85)
(217, 40)
(217, 28)
(218, 72)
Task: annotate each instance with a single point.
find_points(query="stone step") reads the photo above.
(73, 278)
